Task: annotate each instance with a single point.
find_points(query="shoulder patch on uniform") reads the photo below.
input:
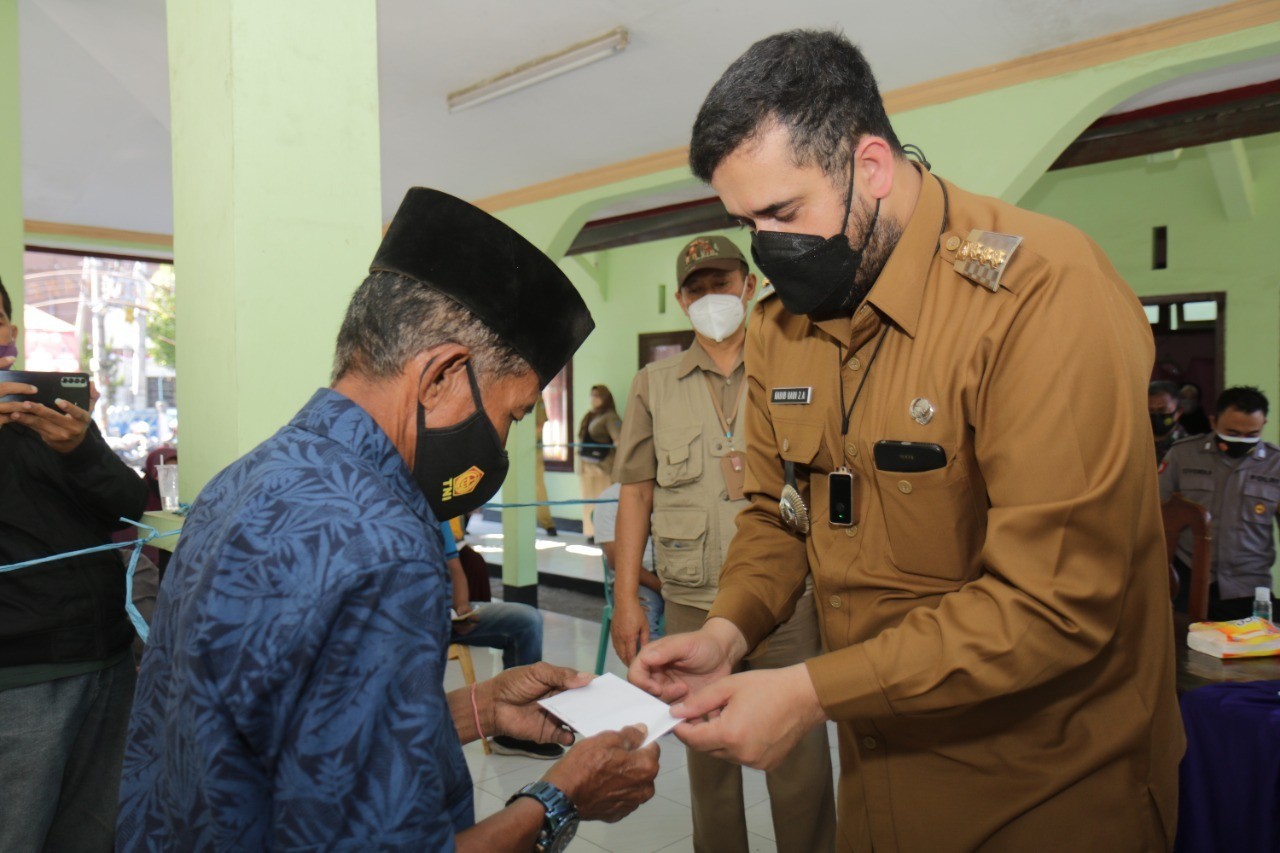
(984, 256)
(1164, 466)
(766, 292)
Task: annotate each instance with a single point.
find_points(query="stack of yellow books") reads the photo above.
(1240, 638)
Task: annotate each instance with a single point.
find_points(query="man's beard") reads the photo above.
(885, 237)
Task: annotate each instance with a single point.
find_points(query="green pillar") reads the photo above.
(277, 207)
(520, 526)
(11, 267)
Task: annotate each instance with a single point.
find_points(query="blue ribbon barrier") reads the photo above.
(139, 624)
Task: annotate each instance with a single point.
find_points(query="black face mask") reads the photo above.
(814, 275)
(459, 468)
(1161, 423)
(1236, 448)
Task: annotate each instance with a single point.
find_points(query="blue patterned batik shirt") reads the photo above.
(292, 695)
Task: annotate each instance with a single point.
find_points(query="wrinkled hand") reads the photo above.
(680, 664)
(754, 718)
(608, 776)
(510, 700)
(62, 429)
(629, 629)
(466, 623)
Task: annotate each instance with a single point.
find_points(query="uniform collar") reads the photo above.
(697, 357)
(1260, 450)
(899, 291)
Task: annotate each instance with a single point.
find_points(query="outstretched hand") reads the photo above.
(754, 718)
(511, 700)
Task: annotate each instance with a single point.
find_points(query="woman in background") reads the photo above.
(600, 426)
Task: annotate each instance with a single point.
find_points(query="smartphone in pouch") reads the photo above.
(72, 387)
(840, 498)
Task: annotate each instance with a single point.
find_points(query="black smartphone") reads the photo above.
(72, 387)
(840, 498)
(909, 456)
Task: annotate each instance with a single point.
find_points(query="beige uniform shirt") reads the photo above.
(1002, 658)
(673, 435)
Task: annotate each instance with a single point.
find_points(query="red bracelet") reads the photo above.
(475, 710)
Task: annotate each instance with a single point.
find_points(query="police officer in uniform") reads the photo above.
(681, 462)
(986, 553)
(1236, 476)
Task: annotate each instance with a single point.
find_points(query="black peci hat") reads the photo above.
(478, 261)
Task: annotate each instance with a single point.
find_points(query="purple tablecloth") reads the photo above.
(1229, 797)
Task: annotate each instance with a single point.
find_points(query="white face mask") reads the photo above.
(718, 315)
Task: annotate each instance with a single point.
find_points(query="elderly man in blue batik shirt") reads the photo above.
(292, 696)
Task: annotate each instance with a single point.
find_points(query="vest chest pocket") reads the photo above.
(933, 522)
(679, 452)
(679, 540)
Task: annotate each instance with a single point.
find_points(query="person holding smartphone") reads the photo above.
(66, 672)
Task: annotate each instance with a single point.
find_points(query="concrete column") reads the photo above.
(11, 234)
(277, 207)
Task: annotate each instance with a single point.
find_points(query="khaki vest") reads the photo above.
(693, 518)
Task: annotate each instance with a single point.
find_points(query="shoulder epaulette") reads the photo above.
(983, 257)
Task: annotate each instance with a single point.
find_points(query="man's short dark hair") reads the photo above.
(4, 299)
(392, 318)
(815, 83)
(1163, 386)
(1245, 398)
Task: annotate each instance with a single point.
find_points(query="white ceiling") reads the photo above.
(95, 84)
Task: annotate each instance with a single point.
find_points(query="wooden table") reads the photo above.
(1196, 669)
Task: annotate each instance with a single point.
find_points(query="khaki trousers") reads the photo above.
(801, 795)
(595, 479)
(545, 521)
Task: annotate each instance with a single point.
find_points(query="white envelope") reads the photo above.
(607, 704)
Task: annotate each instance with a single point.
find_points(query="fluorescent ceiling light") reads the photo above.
(537, 70)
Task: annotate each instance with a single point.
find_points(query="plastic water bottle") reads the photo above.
(1262, 602)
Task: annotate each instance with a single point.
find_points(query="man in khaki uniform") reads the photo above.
(994, 596)
(681, 461)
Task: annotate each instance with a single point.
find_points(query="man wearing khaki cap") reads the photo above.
(681, 462)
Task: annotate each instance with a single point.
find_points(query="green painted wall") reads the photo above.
(1119, 203)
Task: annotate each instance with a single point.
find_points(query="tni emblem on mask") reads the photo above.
(463, 484)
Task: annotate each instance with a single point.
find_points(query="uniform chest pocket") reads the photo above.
(679, 539)
(798, 441)
(679, 451)
(934, 524)
(1197, 488)
(1259, 503)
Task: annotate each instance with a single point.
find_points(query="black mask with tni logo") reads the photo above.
(459, 468)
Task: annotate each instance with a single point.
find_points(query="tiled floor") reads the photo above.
(566, 553)
(664, 822)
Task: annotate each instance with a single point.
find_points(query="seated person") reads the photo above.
(606, 516)
(514, 628)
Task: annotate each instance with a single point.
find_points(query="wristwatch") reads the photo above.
(561, 821)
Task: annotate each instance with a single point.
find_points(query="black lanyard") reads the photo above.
(848, 413)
